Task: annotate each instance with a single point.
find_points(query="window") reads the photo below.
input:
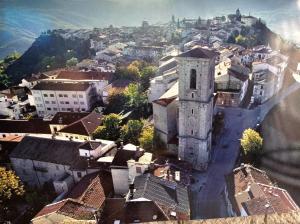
(63, 109)
(193, 79)
(65, 95)
(138, 169)
(74, 95)
(67, 102)
(75, 102)
(192, 95)
(60, 95)
(80, 96)
(54, 108)
(82, 109)
(51, 95)
(192, 111)
(47, 102)
(82, 103)
(69, 109)
(48, 108)
(192, 132)
(79, 174)
(45, 95)
(62, 102)
(53, 102)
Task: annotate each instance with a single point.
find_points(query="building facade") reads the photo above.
(196, 86)
(50, 97)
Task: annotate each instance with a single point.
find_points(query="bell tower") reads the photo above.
(196, 69)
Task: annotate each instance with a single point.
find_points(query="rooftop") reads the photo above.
(39, 149)
(93, 189)
(66, 118)
(168, 194)
(85, 126)
(70, 208)
(59, 86)
(80, 75)
(198, 52)
(33, 126)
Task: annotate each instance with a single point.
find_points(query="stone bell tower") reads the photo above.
(196, 69)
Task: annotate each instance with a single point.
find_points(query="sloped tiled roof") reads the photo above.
(66, 118)
(33, 126)
(274, 199)
(61, 86)
(198, 52)
(47, 150)
(245, 175)
(93, 189)
(70, 208)
(80, 75)
(166, 193)
(85, 126)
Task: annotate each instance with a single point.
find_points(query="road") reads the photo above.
(207, 200)
(207, 197)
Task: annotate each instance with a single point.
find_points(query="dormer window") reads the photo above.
(193, 79)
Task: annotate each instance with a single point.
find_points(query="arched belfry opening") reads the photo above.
(193, 79)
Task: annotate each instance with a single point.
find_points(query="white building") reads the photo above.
(268, 76)
(51, 97)
(143, 52)
(249, 20)
(40, 160)
(129, 162)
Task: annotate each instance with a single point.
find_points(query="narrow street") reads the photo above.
(207, 197)
(207, 192)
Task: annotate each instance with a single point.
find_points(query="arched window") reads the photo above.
(193, 79)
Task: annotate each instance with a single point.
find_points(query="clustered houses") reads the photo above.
(249, 191)
(242, 77)
(98, 182)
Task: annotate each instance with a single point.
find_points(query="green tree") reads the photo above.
(251, 142)
(133, 71)
(146, 138)
(241, 40)
(131, 132)
(72, 62)
(136, 98)
(110, 129)
(146, 74)
(48, 63)
(10, 185)
(116, 101)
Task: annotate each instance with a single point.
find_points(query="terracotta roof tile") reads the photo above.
(93, 189)
(85, 126)
(79, 75)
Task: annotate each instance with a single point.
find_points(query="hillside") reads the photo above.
(49, 51)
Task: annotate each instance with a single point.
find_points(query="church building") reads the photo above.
(185, 111)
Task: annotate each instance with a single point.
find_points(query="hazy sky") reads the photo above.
(23, 20)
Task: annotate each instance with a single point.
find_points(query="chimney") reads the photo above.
(131, 191)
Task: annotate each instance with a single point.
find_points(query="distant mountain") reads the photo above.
(23, 21)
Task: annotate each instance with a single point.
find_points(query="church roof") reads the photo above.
(198, 52)
(169, 96)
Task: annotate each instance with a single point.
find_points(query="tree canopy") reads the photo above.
(251, 142)
(72, 62)
(146, 139)
(131, 131)
(110, 129)
(10, 185)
